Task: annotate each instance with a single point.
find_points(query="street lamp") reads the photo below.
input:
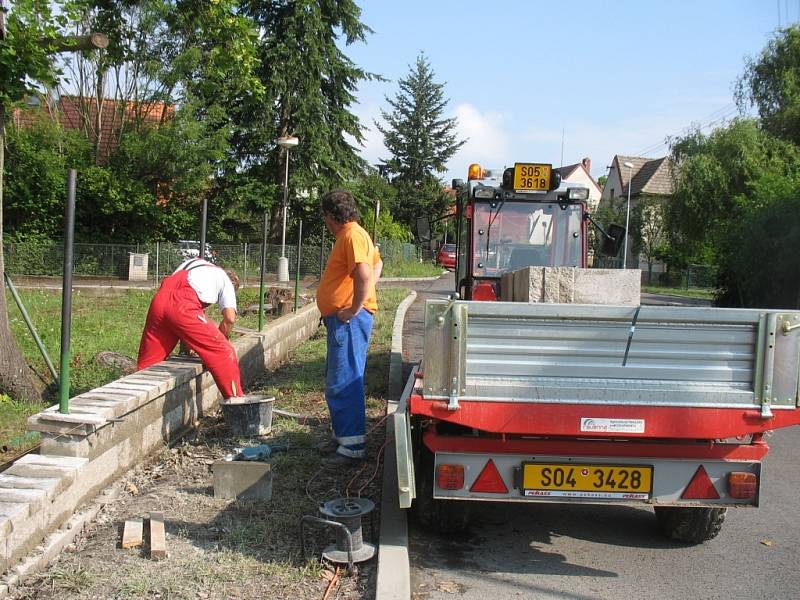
(627, 215)
(286, 142)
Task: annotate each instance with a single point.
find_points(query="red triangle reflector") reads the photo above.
(700, 487)
(489, 481)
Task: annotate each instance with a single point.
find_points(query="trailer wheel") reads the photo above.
(442, 516)
(692, 525)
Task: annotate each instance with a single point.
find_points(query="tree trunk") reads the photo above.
(16, 378)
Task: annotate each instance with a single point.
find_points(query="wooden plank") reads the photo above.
(158, 536)
(133, 533)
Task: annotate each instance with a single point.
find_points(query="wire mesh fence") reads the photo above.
(113, 261)
(693, 277)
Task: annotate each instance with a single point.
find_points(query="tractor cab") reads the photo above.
(515, 218)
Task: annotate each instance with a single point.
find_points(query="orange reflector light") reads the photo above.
(742, 485)
(700, 487)
(484, 291)
(450, 477)
(475, 172)
(489, 481)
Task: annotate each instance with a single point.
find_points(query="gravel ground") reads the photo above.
(218, 548)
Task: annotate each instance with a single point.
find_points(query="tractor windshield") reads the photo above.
(511, 235)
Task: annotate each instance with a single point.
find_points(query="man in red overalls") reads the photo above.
(177, 312)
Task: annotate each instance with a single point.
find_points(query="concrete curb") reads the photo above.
(394, 573)
(396, 358)
(406, 279)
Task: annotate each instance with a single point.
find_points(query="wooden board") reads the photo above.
(132, 533)
(158, 536)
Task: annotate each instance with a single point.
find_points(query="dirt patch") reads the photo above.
(218, 548)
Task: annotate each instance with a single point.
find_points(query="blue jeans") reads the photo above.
(344, 380)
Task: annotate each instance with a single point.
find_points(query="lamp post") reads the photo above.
(286, 142)
(627, 214)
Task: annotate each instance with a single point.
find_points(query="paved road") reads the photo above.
(588, 552)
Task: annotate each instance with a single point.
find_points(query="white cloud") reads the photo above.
(372, 149)
(488, 141)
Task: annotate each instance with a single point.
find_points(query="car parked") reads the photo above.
(191, 249)
(446, 257)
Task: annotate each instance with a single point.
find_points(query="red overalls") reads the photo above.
(177, 313)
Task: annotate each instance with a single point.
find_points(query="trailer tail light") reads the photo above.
(700, 487)
(489, 481)
(742, 485)
(450, 477)
(484, 291)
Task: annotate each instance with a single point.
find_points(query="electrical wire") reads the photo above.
(716, 117)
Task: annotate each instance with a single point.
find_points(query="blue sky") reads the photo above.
(616, 76)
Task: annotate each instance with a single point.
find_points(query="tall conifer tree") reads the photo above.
(420, 142)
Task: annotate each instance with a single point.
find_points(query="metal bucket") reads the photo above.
(248, 415)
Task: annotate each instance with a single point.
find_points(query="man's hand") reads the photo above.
(345, 314)
(362, 274)
(228, 320)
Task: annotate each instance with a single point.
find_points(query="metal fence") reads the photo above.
(694, 276)
(113, 260)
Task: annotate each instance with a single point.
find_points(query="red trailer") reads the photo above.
(589, 403)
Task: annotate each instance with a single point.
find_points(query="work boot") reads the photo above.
(340, 460)
(327, 447)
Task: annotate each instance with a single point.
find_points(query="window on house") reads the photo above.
(612, 193)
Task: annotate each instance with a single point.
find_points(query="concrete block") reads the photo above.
(242, 480)
(35, 498)
(559, 284)
(11, 512)
(50, 485)
(67, 462)
(41, 472)
(529, 284)
(608, 286)
(507, 286)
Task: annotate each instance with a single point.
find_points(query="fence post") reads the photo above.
(66, 292)
(245, 266)
(321, 252)
(264, 230)
(297, 273)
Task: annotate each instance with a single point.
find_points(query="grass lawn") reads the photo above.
(220, 549)
(411, 269)
(690, 293)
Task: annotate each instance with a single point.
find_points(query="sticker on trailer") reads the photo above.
(571, 494)
(590, 425)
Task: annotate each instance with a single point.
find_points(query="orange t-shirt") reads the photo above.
(353, 246)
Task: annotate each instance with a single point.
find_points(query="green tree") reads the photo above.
(310, 86)
(714, 176)
(29, 36)
(418, 138)
(648, 231)
(420, 142)
(771, 82)
(370, 188)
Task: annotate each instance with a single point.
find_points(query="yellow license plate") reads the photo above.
(630, 482)
(532, 177)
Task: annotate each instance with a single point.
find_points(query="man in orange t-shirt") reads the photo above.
(347, 299)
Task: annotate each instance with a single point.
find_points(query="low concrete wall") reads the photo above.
(112, 428)
(572, 285)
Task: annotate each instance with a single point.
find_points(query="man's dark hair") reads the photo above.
(340, 206)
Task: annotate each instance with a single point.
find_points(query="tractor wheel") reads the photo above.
(689, 524)
(442, 516)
